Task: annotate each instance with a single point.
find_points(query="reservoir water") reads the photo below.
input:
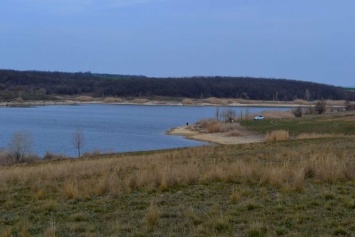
(106, 128)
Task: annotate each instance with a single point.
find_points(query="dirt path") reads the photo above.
(219, 138)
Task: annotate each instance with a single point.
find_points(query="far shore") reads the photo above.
(170, 102)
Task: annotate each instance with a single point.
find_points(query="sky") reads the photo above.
(309, 40)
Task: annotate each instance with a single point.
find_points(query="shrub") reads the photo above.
(187, 101)
(320, 106)
(349, 106)
(297, 112)
(51, 156)
(6, 159)
(309, 110)
(19, 100)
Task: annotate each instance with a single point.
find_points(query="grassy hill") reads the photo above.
(287, 188)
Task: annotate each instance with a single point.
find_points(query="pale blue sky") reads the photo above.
(311, 40)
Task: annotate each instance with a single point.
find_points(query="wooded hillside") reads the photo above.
(39, 85)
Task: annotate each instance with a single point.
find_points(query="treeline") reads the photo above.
(39, 85)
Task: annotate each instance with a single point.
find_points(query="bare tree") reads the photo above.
(217, 113)
(78, 140)
(20, 145)
(307, 95)
(228, 115)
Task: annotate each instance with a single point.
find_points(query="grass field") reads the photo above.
(286, 188)
(340, 124)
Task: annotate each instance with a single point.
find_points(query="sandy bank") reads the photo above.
(218, 138)
(196, 102)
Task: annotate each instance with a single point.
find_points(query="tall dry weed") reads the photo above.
(325, 167)
(277, 135)
(71, 189)
(153, 215)
(286, 177)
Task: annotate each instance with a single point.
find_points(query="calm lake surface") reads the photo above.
(106, 128)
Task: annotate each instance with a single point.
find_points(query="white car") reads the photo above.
(260, 117)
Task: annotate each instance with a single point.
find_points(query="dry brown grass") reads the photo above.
(111, 187)
(113, 176)
(313, 135)
(216, 126)
(216, 101)
(140, 101)
(235, 196)
(113, 100)
(301, 102)
(85, 98)
(335, 102)
(153, 215)
(277, 135)
(5, 159)
(187, 101)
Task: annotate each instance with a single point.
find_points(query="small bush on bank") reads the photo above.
(298, 112)
(187, 101)
(320, 106)
(349, 106)
(6, 159)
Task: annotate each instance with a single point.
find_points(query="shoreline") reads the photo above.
(149, 103)
(216, 138)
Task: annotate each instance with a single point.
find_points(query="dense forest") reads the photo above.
(39, 85)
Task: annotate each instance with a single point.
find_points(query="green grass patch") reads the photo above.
(325, 124)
